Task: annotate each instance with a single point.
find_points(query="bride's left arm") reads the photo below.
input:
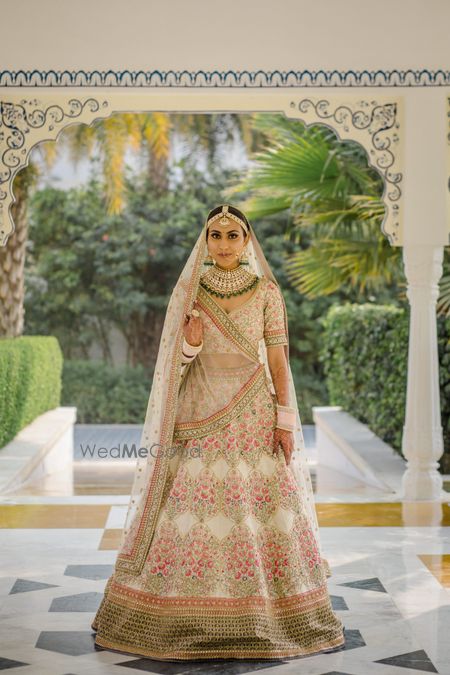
(275, 339)
(276, 359)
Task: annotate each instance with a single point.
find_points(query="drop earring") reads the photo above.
(243, 259)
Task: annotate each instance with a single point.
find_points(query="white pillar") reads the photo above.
(422, 442)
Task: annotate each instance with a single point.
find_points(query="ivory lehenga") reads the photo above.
(220, 555)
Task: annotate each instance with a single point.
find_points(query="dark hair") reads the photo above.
(234, 211)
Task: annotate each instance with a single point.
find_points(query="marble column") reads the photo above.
(422, 442)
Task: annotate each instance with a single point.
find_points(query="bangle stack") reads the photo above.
(189, 352)
(285, 417)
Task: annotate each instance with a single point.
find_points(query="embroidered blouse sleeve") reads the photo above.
(274, 330)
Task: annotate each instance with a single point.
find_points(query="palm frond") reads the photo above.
(263, 206)
(157, 134)
(80, 139)
(115, 138)
(330, 263)
(443, 303)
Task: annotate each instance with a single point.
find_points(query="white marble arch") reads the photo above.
(31, 115)
(375, 122)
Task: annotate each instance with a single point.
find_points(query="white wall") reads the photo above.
(230, 34)
(265, 35)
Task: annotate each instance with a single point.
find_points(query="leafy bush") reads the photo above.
(88, 273)
(365, 353)
(104, 394)
(444, 381)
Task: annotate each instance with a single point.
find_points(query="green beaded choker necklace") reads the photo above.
(226, 283)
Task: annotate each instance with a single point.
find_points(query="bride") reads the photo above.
(220, 554)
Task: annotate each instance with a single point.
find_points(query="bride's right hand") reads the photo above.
(193, 328)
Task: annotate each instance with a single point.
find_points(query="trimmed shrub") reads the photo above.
(364, 352)
(30, 381)
(444, 381)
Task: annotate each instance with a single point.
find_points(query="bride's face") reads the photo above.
(229, 240)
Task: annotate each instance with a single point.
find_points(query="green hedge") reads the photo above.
(105, 394)
(444, 380)
(364, 352)
(30, 381)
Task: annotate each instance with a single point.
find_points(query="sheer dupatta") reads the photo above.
(158, 441)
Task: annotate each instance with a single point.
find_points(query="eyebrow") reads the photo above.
(221, 232)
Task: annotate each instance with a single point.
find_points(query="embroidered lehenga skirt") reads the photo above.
(234, 569)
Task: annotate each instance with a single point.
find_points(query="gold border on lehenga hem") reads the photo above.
(153, 626)
(333, 645)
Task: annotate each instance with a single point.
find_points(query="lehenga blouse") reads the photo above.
(228, 372)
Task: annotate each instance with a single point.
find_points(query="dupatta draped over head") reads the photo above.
(157, 442)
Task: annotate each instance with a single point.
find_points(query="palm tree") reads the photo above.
(143, 132)
(332, 202)
(110, 139)
(12, 257)
(151, 134)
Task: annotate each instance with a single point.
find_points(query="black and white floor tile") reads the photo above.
(396, 613)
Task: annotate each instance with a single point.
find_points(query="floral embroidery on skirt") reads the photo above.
(233, 569)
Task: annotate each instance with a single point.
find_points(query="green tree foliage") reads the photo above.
(327, 190)
(105, 395)
(89, 271)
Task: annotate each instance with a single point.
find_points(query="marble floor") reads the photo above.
(390, 584)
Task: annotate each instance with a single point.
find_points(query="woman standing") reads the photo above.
(220, 555)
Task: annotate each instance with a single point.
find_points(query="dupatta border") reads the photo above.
(133, 562)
